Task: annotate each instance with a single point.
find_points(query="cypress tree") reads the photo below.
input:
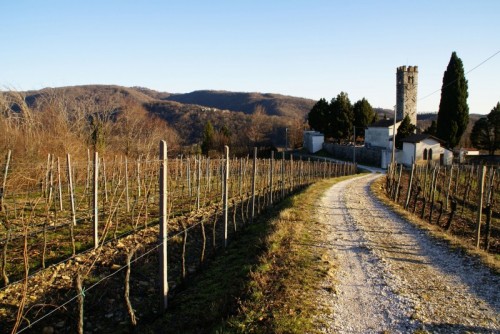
(453, 114)
(432, 129)
(208, 142)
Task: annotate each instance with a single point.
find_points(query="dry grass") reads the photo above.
(490, 260)
(264, 283)
(280, 296)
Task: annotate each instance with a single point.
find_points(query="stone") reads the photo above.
(48, 330)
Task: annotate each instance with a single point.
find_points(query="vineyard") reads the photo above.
(462, 199)
(103, 242)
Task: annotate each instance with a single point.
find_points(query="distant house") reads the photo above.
(379, 134)
(424, 148)
(313, 141)
(466, 152)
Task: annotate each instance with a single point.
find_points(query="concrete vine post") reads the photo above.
(198, 183)
(163, 223)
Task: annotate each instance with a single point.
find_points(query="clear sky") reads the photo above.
(306, 48)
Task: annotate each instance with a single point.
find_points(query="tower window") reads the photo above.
(410, 80)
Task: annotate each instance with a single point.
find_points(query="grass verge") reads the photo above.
(265, 281)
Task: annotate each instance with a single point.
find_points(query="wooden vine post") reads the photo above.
(126, 185)
(163, 223)
(410, 181)
(79, 289)
(282, 175)
(480, 192)
(96, 198)
(59, 186)
(4, 183)
(71, 189)
(254, 176)
(226, 178)
(271, 174)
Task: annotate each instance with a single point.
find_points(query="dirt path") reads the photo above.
(390, 276)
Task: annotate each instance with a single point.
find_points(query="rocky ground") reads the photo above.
(392, 277)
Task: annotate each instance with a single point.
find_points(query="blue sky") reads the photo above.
(303, 48)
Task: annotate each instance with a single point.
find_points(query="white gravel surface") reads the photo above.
(390, 277)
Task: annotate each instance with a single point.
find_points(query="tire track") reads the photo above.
(391, 277)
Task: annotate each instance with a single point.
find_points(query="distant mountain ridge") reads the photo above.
(273, 104)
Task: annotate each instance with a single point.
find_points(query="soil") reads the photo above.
(392, 277)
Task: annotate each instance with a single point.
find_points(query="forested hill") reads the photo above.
(247, 119)
(273, 104)
(269, 104)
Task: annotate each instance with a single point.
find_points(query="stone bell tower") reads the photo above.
(406, 93)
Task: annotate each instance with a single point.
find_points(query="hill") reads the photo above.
(273, 104)
(99, 93)
(424, 120)
(103, 114)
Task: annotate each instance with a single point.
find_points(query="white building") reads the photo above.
(424, 148)
(313, 141)
(465, 152)
(379, 134)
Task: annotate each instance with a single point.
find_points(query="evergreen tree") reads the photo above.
(485, 134)
(432, 129)
(405, 129)
(363, 116)
(453, 114)
(208, 142)
(319, 117)
(343, 116)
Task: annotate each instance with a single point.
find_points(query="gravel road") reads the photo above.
(390, 277)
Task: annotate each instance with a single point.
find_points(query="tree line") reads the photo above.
(338, 118)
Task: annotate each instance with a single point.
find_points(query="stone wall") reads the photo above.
(364, 156)
(406, 92)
